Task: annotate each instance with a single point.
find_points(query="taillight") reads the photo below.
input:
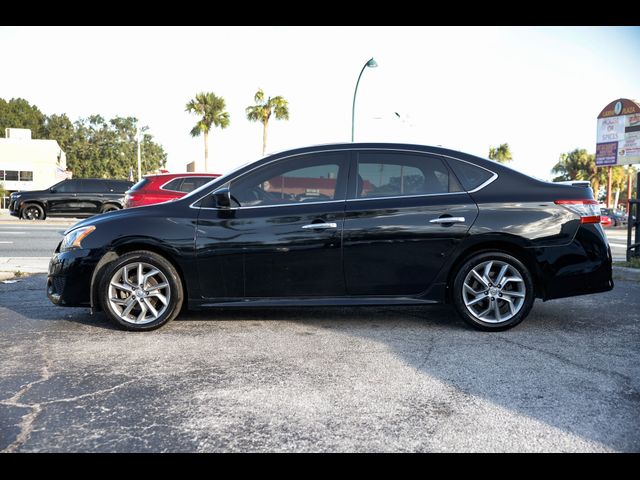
(588, 210)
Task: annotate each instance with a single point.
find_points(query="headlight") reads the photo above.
(74, 238)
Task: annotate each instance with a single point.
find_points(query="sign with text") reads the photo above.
(618, 140)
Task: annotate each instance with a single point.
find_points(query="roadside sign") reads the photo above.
(618, 141)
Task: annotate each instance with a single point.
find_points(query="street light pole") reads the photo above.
(371, 64)
(139, 159)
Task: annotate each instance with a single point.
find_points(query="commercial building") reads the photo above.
(28, 164)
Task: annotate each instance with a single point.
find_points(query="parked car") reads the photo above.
(80, 197)
(164, 187)
(605, 221)
(390, 224)
(618, 219)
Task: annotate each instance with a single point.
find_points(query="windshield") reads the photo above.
(139, 185)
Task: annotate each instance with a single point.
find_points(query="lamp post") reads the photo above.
(138, 133)
(371, 64)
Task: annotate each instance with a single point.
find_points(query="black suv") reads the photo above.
(70, 198)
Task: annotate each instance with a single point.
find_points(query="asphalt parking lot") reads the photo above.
(325, 379)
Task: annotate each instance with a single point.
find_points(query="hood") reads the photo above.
(105, 218)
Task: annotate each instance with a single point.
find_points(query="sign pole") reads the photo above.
(609, 182)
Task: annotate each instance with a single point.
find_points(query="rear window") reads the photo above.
(140, 185)
(470, 176)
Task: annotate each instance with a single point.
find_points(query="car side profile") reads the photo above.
(164, 187)
(344, 224)
(82, 197)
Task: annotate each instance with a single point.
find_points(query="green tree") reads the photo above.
(19, 113)
(262, 111)
(580, 165)
(108, 149)
(211, 109)
(59, 128)
(501, 154)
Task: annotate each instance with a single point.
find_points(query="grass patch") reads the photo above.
(633, 263)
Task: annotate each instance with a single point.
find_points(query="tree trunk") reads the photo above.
(617, 198)
(206, 151)
(264, 137)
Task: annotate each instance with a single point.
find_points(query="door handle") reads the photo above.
(321, 226)
(448, 220)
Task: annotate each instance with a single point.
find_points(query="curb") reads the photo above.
(624, 273)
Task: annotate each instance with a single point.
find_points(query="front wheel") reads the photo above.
(141, 291)
(493, 291)
(31, 211)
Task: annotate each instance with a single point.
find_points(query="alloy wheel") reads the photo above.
(494, 291)
(139, 293)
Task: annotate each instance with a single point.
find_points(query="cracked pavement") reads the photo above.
(322, 379)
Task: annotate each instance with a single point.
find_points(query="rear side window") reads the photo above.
(401, 174)
(92, 186)
(117, 186)
(470, 176)
(173, 185)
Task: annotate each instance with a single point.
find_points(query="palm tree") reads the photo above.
(501, 154)
(261, 112)
(211, 108)
(580, 165)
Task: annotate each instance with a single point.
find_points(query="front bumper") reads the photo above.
(13, 208)
(69, 280)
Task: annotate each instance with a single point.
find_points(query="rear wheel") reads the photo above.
(141, 291)
(109, 208)
(32, 211)
(493, 291)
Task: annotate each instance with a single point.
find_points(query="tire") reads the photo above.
(32, 211)
(123, 301)
(481, 311)
(110, 207)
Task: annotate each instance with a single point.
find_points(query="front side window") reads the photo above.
(67, 187)
(382, 174)
(301, 179)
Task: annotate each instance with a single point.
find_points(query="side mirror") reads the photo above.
(222, 198)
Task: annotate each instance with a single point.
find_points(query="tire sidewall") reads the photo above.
(472, 262)
(32, 205)
(157, 261)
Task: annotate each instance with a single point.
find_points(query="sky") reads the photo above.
(465, 88)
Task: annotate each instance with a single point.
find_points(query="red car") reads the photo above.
(605, 221)
(164, 187)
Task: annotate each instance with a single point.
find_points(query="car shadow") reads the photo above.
(572, 364)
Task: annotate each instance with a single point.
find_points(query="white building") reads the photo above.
(28, 164)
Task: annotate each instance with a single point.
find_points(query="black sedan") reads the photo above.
(346, 224)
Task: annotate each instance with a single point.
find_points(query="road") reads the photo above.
(321, 379)
(39, 239)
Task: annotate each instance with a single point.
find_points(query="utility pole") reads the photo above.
(138, 132)
(609, 181)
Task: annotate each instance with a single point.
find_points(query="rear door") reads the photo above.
(405, 213)
(63, 199)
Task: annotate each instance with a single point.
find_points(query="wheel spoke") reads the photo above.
(129, 306)
(513, 293)
(154, 312)
(483, 313)
(140, 275)
(120, 301)
(122, 286)
(143, 312)
(479, 278)
(496, 311)
(512, 307)
(475, 300)
(160, 297)
(148, 275)
(500, 276)
(512, 279)
(487, 271)
(157, 287)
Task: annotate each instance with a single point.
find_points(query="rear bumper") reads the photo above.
(69, 280)
(582, 267)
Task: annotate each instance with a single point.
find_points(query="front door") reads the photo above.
(406, 212)
(282, 237)
(64, 198)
